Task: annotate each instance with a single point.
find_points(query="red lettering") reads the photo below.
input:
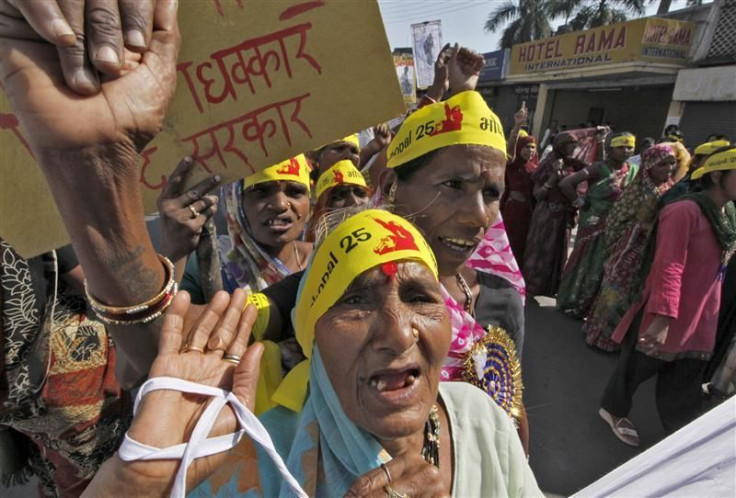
(253, 126)
(579, 44)
(558, 53)
(549, 50)
(301, 8)
(590, 46)
(522, 54)
(606, 40)
(621, 40)
(10, 122)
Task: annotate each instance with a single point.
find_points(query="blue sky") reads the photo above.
(462, 20)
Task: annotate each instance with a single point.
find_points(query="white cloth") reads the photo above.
(199, 445)
(697, 460)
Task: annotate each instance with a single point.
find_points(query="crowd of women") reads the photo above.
(365, 302)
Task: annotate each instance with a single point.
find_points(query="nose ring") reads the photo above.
(415, 333)
(288, 204)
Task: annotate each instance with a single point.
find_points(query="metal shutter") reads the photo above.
(700, 119)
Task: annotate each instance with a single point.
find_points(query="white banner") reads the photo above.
(427, 43)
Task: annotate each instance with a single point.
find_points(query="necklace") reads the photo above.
(468, 293)
(431, 446)
(298, 259)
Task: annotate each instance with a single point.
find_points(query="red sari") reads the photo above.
(517, 202)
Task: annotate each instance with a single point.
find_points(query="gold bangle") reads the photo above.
(136, 308)
(139, 313)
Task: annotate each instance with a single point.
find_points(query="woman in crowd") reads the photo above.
(376, 419)
(517, 202)
(549, 231)
(266, 215)
(62, 412)
(686, 184)
(339, 187)
(606, 181)
(628, 228)
(670, 332)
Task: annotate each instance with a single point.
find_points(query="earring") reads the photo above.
(392, 194)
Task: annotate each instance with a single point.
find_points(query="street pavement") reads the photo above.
(570, 445)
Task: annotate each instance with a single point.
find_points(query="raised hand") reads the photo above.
(521, 116)
(441, 75)
(464, 69)
(43, 79)
(183, 214)
(84, 49)
(166, 418)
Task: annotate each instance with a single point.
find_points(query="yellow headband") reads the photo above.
(295, 169)
(624, 141)
(463, 119)
(363, 241)
(709, 148)
(720, 161)
(343, 172)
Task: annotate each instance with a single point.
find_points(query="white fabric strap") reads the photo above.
(199, 444)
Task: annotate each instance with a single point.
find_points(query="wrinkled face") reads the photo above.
(343, 196)
(453, 199)
(663, 170)
(527, 152)
(276, 211)
(621, 154)
(386, 378)
(336, 152)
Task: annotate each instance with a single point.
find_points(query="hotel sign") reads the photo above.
(645, 40)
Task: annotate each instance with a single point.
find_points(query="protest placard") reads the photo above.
(258, 82)
(427, 43)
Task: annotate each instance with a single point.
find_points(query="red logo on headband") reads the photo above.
(290, 168)
(453, 121)
(401, 240)
(338, 177)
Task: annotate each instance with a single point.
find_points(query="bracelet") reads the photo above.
(138, 313)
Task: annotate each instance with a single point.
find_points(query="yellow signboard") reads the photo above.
(647, 40)
(258, 82)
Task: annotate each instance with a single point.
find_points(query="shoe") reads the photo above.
(622, 428)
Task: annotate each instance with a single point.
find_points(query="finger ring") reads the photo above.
(232, 358)
(189, 349)
(392, 493)
(195, 213)
(385, 469)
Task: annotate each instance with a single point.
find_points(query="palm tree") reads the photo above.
(604, 12)
(529, 21)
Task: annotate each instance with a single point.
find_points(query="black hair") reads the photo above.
(716, 136)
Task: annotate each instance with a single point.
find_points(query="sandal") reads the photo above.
(622, 428)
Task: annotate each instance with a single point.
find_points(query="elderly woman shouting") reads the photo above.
(376, 419)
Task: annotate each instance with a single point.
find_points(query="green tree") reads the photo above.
(603, 12)
(527, 20)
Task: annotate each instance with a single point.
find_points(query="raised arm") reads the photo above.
(88, 149)
(569, 184)
(520, 119)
